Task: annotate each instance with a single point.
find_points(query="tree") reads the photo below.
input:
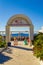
(38, 46)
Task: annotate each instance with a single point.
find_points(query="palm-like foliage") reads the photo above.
(38, 46)
(2, 43)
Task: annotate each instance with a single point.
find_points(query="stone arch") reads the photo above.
(19, 17)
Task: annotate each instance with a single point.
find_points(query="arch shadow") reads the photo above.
(28, 49)
(4, 58)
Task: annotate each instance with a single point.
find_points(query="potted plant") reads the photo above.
(38, 47)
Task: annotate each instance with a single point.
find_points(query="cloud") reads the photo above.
(41, 30)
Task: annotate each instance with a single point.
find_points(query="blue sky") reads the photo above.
(31, 8)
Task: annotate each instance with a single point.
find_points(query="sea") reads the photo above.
(21, 34)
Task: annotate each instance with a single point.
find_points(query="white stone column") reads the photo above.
(0, 32)
(7, 34)
(31, 36)
(31, 32)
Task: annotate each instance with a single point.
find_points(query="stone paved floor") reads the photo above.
(18, 57)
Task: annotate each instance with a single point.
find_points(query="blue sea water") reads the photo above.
(21, 34)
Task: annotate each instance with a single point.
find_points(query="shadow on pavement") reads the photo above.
(28, 49)
(8, 50)
(4, 58)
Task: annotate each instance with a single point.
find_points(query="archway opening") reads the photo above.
(19, 32)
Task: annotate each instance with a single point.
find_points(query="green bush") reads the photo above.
(2, 43)
(38, 46)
